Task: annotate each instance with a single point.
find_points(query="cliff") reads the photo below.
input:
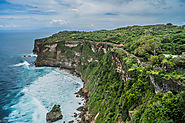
(68, 54)
(119, 87)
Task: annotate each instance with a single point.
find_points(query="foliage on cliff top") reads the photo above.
(114, 100)
(140, 40)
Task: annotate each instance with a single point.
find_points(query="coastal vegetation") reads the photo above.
(136, 82)
(116, 100)
(139, 40)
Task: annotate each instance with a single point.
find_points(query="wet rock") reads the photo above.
(82, 92)
(72, 121)
(80, 115)
(54, 115)
(75, 114)
(81, 108)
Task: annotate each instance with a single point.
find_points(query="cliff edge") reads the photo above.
(119, 86)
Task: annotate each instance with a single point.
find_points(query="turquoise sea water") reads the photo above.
(28, 92)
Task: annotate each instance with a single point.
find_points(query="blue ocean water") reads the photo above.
(27, 92)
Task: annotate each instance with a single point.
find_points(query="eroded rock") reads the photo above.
(54, 115)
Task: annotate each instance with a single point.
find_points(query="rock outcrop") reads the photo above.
(54, 115)
(72, 56)
(67, 54)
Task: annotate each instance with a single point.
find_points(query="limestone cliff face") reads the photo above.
(67, 54)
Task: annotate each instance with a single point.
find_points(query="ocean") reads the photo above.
(27, 92)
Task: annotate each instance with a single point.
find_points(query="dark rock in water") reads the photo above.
(72, 121)
(54, 115)
(80, 115)
(75, 114)
(81, 108)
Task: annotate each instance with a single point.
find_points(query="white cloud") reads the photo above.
(8, 26)
(84, 13)
(75, 10)
(51, 10)
(13, 17)
(58, 21)
(92, 25)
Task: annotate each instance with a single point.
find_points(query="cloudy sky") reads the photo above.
(88, 14)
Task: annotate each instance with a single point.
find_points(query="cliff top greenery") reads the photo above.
(142, 41)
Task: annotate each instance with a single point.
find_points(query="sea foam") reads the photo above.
(22, 64)
(39, 97)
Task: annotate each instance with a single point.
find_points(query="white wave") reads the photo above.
(21, 64)
(32, 55)
(29, 55)
(28, 109)
(40, 114)
(55, 87)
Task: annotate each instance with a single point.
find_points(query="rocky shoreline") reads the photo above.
(83, 109)
(82, 93)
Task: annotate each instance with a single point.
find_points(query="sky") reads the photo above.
(88, 14)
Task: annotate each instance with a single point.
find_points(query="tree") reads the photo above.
(154, 60)
(169, 24)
